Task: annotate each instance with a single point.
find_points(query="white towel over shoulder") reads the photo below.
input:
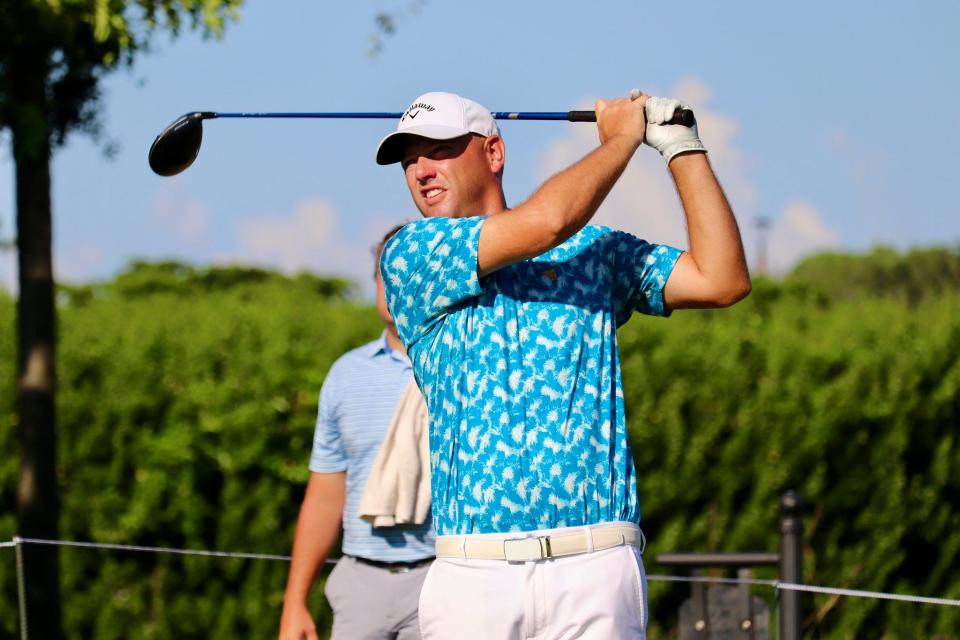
(398, 488)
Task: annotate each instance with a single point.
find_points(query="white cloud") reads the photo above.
(292, 242)
(644, 201)
(310, 238)
(797, 232)
(188, 220)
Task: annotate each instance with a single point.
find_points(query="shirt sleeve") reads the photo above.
(640, 272)
(429, 267)
(328, 455)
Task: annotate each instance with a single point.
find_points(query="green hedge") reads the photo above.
(186, 414)
(854, 404)
(9, 465)
(185, 420)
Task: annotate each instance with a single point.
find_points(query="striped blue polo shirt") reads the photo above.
(521, 372)
(357, 400)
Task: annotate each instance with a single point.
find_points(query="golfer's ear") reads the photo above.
(496, 153)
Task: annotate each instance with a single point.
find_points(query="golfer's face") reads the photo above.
(446, 177)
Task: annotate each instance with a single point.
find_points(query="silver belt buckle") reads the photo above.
(526, 549)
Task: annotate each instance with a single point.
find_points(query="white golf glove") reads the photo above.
(669, 139)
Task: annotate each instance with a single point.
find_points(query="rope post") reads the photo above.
(21, 588)
(791, 564)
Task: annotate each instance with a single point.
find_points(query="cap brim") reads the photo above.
(391, 147)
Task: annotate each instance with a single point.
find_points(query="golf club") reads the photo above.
(177, 146)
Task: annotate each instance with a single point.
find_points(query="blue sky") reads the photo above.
(835, 120)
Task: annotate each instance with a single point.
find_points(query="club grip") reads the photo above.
(680, 116)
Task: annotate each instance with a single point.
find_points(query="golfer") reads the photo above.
(509, 316)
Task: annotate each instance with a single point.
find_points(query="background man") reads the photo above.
(376, 584)
(510, 317)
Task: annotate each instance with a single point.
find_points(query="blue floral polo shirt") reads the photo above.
(521, 372)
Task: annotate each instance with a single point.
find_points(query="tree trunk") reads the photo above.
(37, 502)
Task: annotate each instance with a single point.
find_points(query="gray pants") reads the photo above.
(373, 603)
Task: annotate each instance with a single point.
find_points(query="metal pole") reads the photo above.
(791, 564)
(735, 559)
(21, 589)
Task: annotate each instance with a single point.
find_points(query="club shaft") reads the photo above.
(680, 116)
(499, 115)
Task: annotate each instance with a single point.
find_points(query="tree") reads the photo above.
(912, 276)
(53, 54)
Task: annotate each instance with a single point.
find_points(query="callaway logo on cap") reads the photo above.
(414, 110)
(438, 116)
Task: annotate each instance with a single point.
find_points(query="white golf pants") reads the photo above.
(600, 595)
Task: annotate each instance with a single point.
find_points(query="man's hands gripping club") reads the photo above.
(653, 126)
(669, 139)
(622, 117)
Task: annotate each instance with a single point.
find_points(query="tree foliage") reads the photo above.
(142, 279)
(68, 46)
(187, 412)
(917, 274)
(53, 54)
(385, 24)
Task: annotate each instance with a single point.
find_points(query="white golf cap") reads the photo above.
(438, 116)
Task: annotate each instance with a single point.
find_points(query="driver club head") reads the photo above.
(177, 146)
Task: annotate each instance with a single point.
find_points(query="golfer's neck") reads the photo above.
(488, 203)
(497, 202)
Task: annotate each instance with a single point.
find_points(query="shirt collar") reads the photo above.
(381, 347)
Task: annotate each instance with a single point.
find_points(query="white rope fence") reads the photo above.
(789, 586)
(127, 547)
(775, 584)
(792, 586)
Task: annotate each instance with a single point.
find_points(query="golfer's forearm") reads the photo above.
(556, 211)
(715, 244)
(566, 202)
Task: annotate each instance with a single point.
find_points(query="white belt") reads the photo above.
(539, 547)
